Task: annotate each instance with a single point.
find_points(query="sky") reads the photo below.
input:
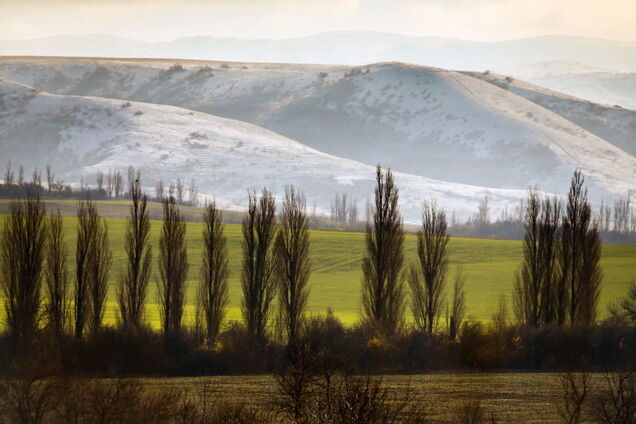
(162, 20)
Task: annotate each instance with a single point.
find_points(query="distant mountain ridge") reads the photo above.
(347, 48)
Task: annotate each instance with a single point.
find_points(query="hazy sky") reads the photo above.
(157, 20)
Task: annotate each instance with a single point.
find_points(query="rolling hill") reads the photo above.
(614, 124)
(82, 135)
(600, 85)
(424, 121)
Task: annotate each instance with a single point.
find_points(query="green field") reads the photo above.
(489, 266)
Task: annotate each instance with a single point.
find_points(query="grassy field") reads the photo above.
(489, 266)
(511, 397)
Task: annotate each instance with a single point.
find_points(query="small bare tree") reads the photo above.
(382, 285)
(193, 193)
(258, 282)
(173, 268)
(99, 263)
(100, 180)
(575, 391)
(109, 183)
(50, 178)
(22, 252)
(180, 191)
(118, 184)
(36, 177)
(56, 276)
(427, 280)
(82, 268)
(213, 291)
(580, 255)
(134, 282)
(159, 190)
(8, 175)
(293, 265)
(458, 305)
(616, 402)
(21, 176)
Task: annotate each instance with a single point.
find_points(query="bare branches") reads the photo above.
(428, 280)
(22, 250)
(173, 268)
(213, 295)
(134, 282)
(56, 276)
(258, 282)
(382, 286)
(293, 265)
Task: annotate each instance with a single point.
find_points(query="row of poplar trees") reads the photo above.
(558, 282)
(34, 259)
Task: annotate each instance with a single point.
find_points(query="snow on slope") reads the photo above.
(614, 124)
(599, 85)
(82, 135)
(425, 121)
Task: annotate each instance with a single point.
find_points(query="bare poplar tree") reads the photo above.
(36, 177)
(458, 305)
(180, 191)
(134, 282)
(100, 180)
(427, 280)
(21, 176)
(483, 212)
(173, 268)
(552, 294)
(193, 193)
(591, 276)
(109, 183)
(258, 282)
(382, 285)
(22, 251)
(57, 278)
(528, 281)
(82, 268)
(293, 265)
(50, 178)
(99, 263)
(213, 291)
(159, 190)
(580, 253)
(118, 184)
(8, 174)
(539, 296)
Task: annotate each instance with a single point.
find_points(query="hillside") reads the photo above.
(614, 124)
(80, 136)
(600, 85)
(425, 121)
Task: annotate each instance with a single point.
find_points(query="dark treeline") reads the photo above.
(107, 185)
(54, 303)
(616, 223)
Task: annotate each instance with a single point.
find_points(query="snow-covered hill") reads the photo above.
(614, 124)
(80, 135)
(425, 121)
(599, 85)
